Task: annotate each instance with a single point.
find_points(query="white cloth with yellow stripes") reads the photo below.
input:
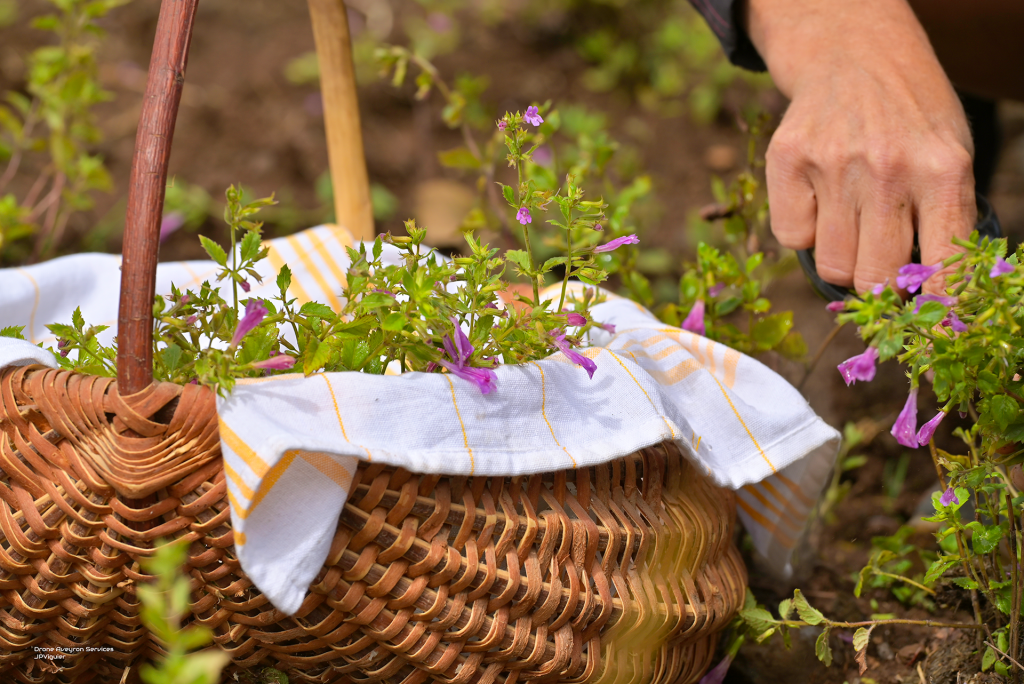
(292, 443)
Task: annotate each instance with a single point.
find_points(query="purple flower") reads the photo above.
(717, 674)
(502, 125)
(191, 319)
(953, 321)
(254, 313)
(279, 362)
(542, 156)
(523, 216)
(533, 116)
(924, 435)
(245, 285)
(598, 227)
(860, 367)
(912, 276)
(571, 354)
(1002, 267)
(616, 243)
(383, 291)
(573, 318)
(949, 497)
(835, 307)
(459, 350)
(716, 289)
(171, 223)
(695, 319)
(185, 299)
(941, 299)
(905, 427)
(880, 288)
(606, 326)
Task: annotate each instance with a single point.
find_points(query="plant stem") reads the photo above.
(568, 269)
(1013, 544)
(817, 356)
(907, 580)
(1012, 660)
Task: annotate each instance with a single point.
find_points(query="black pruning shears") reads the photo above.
(987, 227)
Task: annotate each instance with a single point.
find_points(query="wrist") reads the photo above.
(801, 38)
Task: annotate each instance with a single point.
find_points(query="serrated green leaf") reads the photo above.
(771, 330)
(965, 582)
(77, 320)
(785, 608)
(284, 278)
(13, 331)
(758, 618)
(171, 358)
(861, 638)
(317, 354)
(215, 251)
(822, 649)
(1004, 409)
(808, 614)
(508, 193)
(318, 310)
(251, 245)
(938, 568)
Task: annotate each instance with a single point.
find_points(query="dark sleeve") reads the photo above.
(723, 16)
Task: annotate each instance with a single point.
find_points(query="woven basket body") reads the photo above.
(620, 573)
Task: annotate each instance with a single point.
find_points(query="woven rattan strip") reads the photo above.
(620, 573)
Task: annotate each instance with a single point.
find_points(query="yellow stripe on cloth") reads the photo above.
(543, 412)
(336, 271)
(237, 479)
(256, 464)
(326, 464)
(303, 254)
(667, 424)
(465, 437)
(784, 539)
(277, 261)
(341, 423)
(744, 424)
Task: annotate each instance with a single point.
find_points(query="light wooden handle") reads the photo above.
(341, 118)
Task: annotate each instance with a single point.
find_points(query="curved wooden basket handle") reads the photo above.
(153, 149)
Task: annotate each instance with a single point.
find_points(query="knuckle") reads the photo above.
(952, 162)
(885, 160)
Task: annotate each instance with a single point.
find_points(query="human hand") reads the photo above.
(874, 145)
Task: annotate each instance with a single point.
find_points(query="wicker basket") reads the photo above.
(624, 572)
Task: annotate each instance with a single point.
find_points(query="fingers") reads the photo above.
(947, 209)
(792, 202)
(886, 240)
(836, 234)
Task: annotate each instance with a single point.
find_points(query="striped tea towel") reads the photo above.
(291, 443)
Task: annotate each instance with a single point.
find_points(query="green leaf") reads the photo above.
(77, 320)
(215, 251)
(520, 258)
(318, 310)
(930, 314)
(939, 567)
(394, 321)
(822, 648)
(13, 331)
(785, 608)
(251, 244)
(861, 638)
(316, 356)
(771, 330)
(508, 193)
(171, 358)
(754, 261)
(458, 158)
(1004, 409)
(965, 582)
(284, 278)
(988, 659)
(551, 263)
(758, 618)
(810, 615)
(374, 300)
(359, 328)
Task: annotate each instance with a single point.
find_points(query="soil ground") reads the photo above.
(242, 121)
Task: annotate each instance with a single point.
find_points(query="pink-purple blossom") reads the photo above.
(953, 321)
(171, 222)
(502, 125)
(255, 311)
(905, 427)
(860, 367)
(571, 354)
(532, 116)
(616, 243)
(1002, 267)
(835, 307)
(912, 276)
(924, 435)
(949, 497)
(716, 289)
(880, 288)
(191, 319)
(523, 216)
(542, 156)
(245, 285)
(598, 227)
(575, 319)
(941, 299)
(606, 326)
(716, 675)
(694, 321)
(279, 362)
(459, 350)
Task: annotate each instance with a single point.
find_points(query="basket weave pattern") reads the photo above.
(623, 572)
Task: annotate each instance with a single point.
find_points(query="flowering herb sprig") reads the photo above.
(968, 342)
